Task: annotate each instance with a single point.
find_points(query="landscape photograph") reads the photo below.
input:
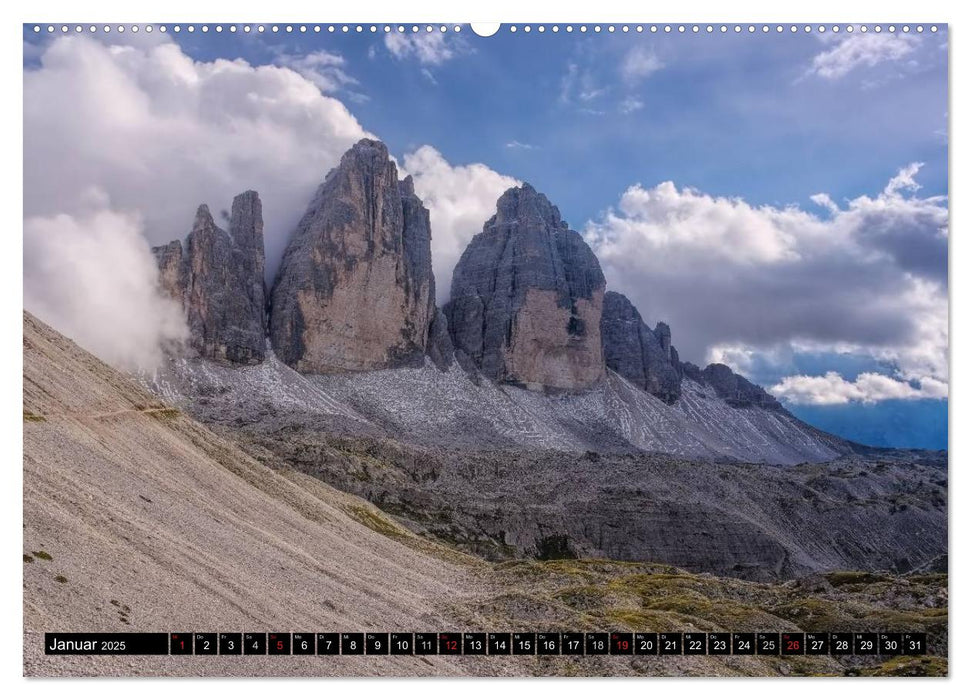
(553, 350)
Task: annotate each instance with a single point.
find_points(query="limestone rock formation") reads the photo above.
(736, 390)
(218, 278)
(642, 356)
(355, 290)
(526, 298)
(440, 349)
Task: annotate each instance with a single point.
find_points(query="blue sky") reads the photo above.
(730, 114)
(742, 253)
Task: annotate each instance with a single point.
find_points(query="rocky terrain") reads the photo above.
(758, 522)
(427, 406)
(218, 278)
(546, 472)
(643, 356)
(537, 414)
(355, 290)
(531, 350)
(139, 518)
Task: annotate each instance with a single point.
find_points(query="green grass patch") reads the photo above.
(641, 620)
(818, 615)
(374, 520)
(727, 614)
(31, 417)
(852, 578)
(43, 555)
(370, 518)
(919, 666)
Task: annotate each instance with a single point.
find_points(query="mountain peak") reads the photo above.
(218, 279)
(407, 186)
(524, 203)
(355, 290)
(203, 219)
(526, 298)
(367, 148)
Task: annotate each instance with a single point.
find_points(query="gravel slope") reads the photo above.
(426, 406)
(141, 505)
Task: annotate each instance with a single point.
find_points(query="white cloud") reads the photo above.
(162, 133)
(568, 81)
(903, 181)
(868, 277)
(585, 85)
(664, 217)
(460, 198)
(748, 361)
(92, 277)
(639, 63)
(825, 201)
(159, 133)
(324, 69)
(520, 146)
(866, 50)
(428, 48)
(581, 85)
(867, 388)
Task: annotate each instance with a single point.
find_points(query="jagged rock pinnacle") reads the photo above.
(218, 278)
(355, 290)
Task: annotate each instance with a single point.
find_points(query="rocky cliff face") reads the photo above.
(356, 292)
(355, 289)
(218, 277)
(642, 356)
(440, 349)
(647, 358)
(527, 296)
(734, 388)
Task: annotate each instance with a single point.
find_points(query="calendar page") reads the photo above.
(522, 349)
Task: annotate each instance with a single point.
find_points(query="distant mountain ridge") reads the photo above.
(529, 308)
